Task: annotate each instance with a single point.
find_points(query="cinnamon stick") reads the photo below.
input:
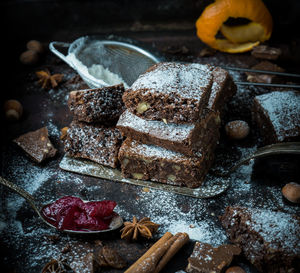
(180, 241)
(136, 266)
(149, 263)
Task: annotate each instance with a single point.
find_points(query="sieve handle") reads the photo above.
(52, 47)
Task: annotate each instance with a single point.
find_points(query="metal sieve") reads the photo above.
(126, 60)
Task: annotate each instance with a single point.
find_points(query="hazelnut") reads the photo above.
(235, 269)
(35, 46)
(13, 110)
(237, 129)
(291, 192)
(63, 132)
(29, 57)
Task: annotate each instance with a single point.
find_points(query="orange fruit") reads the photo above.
(237, 38)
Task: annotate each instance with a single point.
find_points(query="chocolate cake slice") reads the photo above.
(277, 115)
(269, 240)
(97, 105)
(150, 162)
(171, 92)
(37, 145)
(223, 88)
(94, 142)
(207, 259)
(187, 139)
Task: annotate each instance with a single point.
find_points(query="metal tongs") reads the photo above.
(264, 72)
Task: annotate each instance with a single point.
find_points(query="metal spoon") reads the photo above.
(116, 221)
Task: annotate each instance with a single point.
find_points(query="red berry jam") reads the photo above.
(71, 213)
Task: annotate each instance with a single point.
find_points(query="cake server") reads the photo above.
(273, 149)
(116, 222)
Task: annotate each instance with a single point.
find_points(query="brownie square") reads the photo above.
(37, 145)
(172, 92)
(187, 139)
(97, 105)
(269, 240)
(150, 162)
(223, 88)
(94, 142)
(277, 115)
(207, 259)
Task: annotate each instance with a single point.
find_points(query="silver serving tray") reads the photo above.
(211, 187)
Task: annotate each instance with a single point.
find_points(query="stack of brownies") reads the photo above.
(92, 134)
(172, 122)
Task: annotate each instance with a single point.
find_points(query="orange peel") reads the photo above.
(237, 38)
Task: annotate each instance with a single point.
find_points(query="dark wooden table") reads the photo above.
(27, 244)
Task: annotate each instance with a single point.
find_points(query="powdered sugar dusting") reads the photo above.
(283, 109)
(184, 80)
(170, 131)
(155, 152)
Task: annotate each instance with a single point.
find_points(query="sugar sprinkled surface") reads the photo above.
(190, 80)
(169, 131)
(155, 152)
(283, 109)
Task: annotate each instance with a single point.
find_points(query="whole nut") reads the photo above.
(291, 192)
(235, 269)
(237, 129)
(29, 57)
(13, 110)
(36, 46)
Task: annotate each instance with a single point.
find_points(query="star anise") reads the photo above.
(56, 266)
(46, 79)
(144, 228)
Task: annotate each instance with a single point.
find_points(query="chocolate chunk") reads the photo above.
(268, 239)
(266, 52)
(108, 257)
(207, 259)
(37, 145)
(264, 78)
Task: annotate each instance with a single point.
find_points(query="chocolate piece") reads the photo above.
(264, 78)
(93, 142)
(208, 259)
(172, 92)
(108, 257)
(37, 145)
(223, 88)
(187, 139)
(268, 239)
(97, 105)
(149, 162)
(266, 52)
(277, 114)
